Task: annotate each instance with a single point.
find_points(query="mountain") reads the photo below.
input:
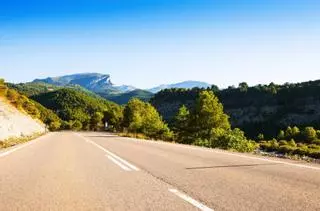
(184, 84)
(124, 98)
(95, 82)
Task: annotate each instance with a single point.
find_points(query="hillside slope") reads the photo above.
(124, 98)
(15, 123)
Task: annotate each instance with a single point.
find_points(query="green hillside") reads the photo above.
(76, 108)
(36, 88)
(123, 98)
(30, 106)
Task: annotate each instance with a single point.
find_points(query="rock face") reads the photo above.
(14, 123)
(95, 82)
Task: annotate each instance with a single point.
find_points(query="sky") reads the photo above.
(145, 43)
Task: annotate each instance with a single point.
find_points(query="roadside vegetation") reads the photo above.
(27, 105)
(20, 140)
(199, 117)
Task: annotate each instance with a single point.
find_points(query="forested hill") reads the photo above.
(79, 110)
(29, 106)
(259, 109)
(124, 98)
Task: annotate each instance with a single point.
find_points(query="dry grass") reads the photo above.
(133, 135)
(18, 140)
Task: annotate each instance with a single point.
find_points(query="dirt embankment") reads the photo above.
(16, 124)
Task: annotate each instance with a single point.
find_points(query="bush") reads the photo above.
(315, 154)
(3, 88)
(12, 95)
(76, 125)
(53, 126)
(283, 142)
(269, 146)
(316, 141)
(302, 151)
(286, 149)
(232, 140)
(292, 143)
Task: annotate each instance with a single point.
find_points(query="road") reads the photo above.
(99, 171)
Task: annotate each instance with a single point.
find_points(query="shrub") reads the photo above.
(316, 141)
(292, 143)
(283, 142)
(302, 151)
(12, 95)
(286, 149)
(315, 154)
(76, 125)
(232, 140)
(309, 134)
(3, 88)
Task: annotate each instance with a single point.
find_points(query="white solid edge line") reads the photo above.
(191, 200)
(6, 153)
(118, 163)
(229, 153)
(112, 154)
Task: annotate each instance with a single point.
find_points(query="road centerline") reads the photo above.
(112, 155)
(119, 163)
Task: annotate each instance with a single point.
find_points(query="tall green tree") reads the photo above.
(114, 117)
(96, 121)
(141, 117)
(208, 114)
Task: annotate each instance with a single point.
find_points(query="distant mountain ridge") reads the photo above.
(95, 82)
(101, 84)
(185, 84)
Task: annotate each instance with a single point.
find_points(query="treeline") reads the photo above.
(197, 116)
(258, 109)
(29, 106)
(205, 125)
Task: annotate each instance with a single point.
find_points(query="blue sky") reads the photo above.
(146, 43)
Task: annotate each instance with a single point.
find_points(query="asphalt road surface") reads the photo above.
(99, 171)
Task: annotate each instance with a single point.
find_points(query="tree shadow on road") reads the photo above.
(232, 166)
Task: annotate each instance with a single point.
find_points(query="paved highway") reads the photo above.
(98, 171)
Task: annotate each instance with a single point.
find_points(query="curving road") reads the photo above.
(99, 171)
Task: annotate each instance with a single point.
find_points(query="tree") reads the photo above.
(208, 114)
(76, 125)
(181, 123)
(141, 117)
(295, 132)
(260, 137)
(281, 135)
(243, 86)
(309, 134)
(96, 121)
(114, 116)
(288, 133)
